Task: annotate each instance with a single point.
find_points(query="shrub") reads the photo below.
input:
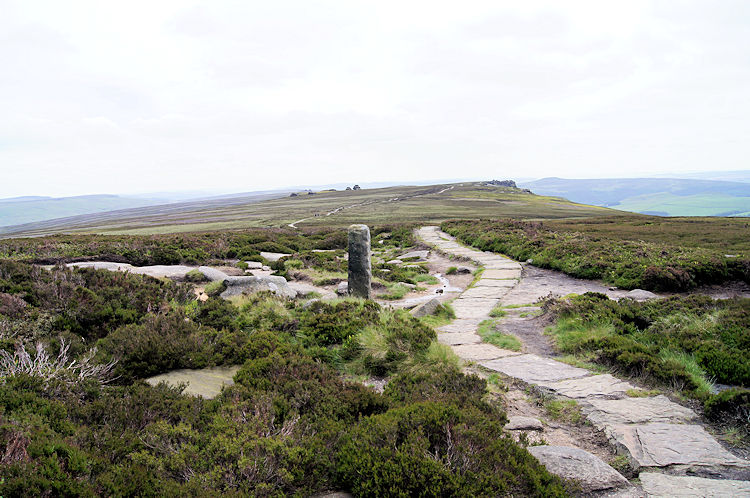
(215, 288)
(430, 449)
(196, 276)
(729, 407)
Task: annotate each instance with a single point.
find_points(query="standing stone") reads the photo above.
(360, 271)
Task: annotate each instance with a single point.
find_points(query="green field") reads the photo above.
(667, 204)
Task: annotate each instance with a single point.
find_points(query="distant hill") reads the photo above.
(658, 196)
(29, 209)
(409, 204)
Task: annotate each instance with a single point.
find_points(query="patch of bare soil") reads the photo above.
(538, 283)
(529, 330)
(726, 290)
(522, 400)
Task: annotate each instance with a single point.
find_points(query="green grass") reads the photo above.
(426, 279)
(395, 292)
(563, 410)
(680, 343)
(688, 362)
(498, 311)
(443, 316)
(489, 334)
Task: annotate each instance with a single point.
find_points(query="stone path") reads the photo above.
(661, 439)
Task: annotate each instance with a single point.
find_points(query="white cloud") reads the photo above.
(143, 96)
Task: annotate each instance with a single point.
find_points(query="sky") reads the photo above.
(144, 96)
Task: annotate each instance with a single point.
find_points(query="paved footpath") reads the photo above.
(663, 440)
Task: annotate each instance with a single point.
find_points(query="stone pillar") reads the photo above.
(360, 270)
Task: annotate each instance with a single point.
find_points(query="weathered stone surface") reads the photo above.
(596, 386)
(342, 289)
(509, 265)
(212, 274)
(424, 309)
(254, 265)
(501, 274)
(360, 270)
(532, 368)
(394, 262)
(519, 423)
(495, 284)
(273, 256)
(661, 485)
(467, 309)
(206, 382)
(641, 295)
(481, 352)
(486, 292)
(454, 339)
(249, 285)
(660, 445)
(606, 412)
(588, 470)
(419, 255)
(466, 325)
(156, 271)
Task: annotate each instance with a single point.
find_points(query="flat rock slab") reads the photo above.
(212, 274)
(491, 282)
(519, 423)
(273, 256)
(661, 445)
(596, 386)
(465, 325)
(590, 471)
(481, 352)
(156, 271)
(501, 274)
(662, 485)
(502, 266)
(206, 382)
(486, 292)
(456, 339)
(237, 286)
(606, 412)
(531, 368)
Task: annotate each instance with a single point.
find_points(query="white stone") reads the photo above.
(531, 368)
(666, 486)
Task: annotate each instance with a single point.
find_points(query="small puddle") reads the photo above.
(446, 285)
(205, 382)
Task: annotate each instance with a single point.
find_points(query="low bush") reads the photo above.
(680, 342)
(622, 252)
(729, 407)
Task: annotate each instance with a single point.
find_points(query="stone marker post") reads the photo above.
(360, 271)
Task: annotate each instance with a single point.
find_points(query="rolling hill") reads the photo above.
(657, 196)
(422, 204)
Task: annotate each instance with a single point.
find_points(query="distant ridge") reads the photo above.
(662, 196)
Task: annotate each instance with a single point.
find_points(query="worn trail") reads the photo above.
(663, 440)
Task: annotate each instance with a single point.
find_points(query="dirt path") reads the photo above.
(392, 199)
(663, 442)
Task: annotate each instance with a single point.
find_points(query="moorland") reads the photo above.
(76, 345)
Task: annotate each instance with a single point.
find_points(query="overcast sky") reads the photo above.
(139, 96)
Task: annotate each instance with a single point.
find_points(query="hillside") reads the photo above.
(424, 204)
(659, 196)
(29, 209)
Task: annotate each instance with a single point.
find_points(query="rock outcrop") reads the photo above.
(236, 286)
